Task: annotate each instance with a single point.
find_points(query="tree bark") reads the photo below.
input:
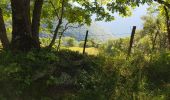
(167, 24)
(21, 26)
(3, 35)
(36, 21)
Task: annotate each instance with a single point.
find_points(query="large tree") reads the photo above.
(21, 26)
(24, 31)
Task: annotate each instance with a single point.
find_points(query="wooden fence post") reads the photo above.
(85, 42)
(131, 40)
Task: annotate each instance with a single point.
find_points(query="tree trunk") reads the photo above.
(55, 34)
(36, 21)
(3, 35)
(167, 24)
(58, 26)
(21, 27)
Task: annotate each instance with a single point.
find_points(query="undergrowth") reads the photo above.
(69, 75)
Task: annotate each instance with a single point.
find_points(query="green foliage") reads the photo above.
(45, 42)
(69, 42)
(141, 76)
(88, 44)
(145, 75)
(30, 75)
(115, 47)
(158, 73)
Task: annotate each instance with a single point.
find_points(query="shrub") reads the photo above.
(69, 41)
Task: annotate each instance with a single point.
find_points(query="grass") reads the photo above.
(90, 51)
(1, 46)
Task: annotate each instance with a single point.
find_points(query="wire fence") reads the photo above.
(103, 37)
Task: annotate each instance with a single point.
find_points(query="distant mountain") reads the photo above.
(95, 32)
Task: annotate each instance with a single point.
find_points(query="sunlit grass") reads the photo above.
(90, 51)
(1, 46)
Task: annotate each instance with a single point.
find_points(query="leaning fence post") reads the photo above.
(131, 40)
(85, 42)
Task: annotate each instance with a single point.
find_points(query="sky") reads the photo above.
(121, 27)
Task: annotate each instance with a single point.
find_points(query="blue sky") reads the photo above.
(122, 26)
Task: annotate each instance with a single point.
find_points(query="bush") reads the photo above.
(88, 44)
(69, 41)
(92, 43)
(158, 71)
(115, 47)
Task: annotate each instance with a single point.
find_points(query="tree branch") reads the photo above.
(55, 10)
